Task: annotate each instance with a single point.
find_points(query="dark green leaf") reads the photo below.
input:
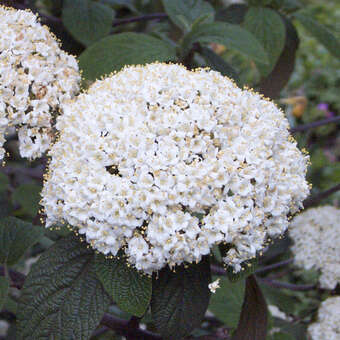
(217, 63)
(268, 27)
(226, 303)
(278, 298)
(28, 196)
(283, 336)
(253, 319)
(180, 299)
(320, 32)
(232, 36)
(272, 85)
(234, 14)
(62, 297)
(87, 20)
(16, 236)
(4, 286)
(129, 289)
(185, 13)
(113, 52)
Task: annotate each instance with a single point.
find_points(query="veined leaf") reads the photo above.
(62, 297)
(268, 27)
(129, 289)
(232, 36)
(180, 299)
(87, 20)
(184, 13)
(114, 52)
(16, 236)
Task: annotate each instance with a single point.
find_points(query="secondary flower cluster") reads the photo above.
(328, 324)
(166, 163)
(316, 243)
(36, 76)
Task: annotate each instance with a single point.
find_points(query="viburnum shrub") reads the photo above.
(161, 171)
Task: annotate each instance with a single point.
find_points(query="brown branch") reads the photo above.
(217, 270)
(286, 285)
(316, 199)
(121, 327)
(52, 19)
(273, 266)
(146, 17)
(316, 124)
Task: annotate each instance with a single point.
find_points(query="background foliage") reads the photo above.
(287, 49)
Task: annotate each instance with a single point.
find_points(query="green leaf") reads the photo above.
(232, 36)
(184, 13)
(272, 85)
(279, 298)
(283, 336)
(226, 303)
(253, 319)
(4, 286)
(62, 297)
(217, 63)
(129, 289)
(16, 236)
(114, 52)
(28, 196)
(320, 32)
(87, 20)
(180, 299)
(268, 27)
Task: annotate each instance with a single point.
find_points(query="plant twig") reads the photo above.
(121, 327)
(286, 285)
(217, 270)
(273, 266)
(316, 124)
(316, 199)
(146, 17)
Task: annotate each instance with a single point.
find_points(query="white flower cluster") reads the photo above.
(328, 324)
(166, 163)
(36, 76)
(316, 237)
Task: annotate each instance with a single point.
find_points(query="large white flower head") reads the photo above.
(165, 163)
(316, 237)
(328, 323)
(36, 76)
